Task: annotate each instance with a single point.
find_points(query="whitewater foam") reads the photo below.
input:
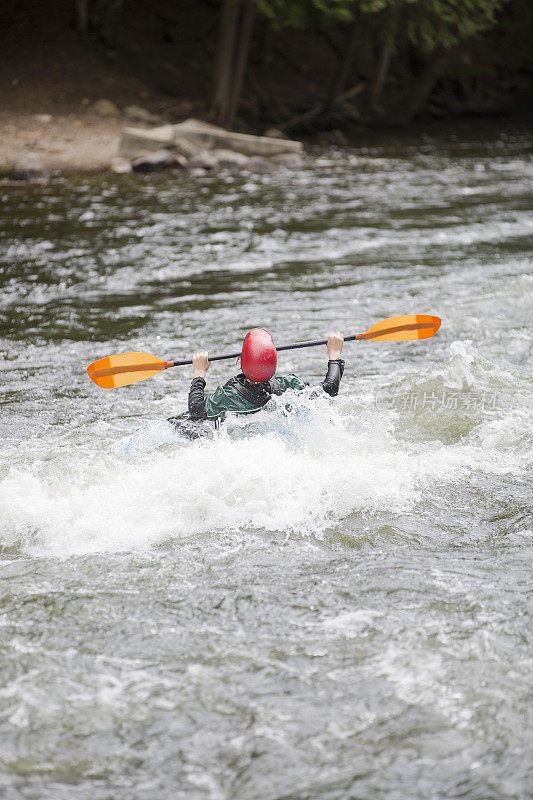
(286, 473)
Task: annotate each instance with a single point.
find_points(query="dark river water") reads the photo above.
(325, 604)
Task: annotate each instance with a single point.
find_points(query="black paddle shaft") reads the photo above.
(296, 346)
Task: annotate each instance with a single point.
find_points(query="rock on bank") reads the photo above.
(198, 145)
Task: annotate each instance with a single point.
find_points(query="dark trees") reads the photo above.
(236, 25)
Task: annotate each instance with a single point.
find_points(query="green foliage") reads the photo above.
(304, 13)
(426, 24)
(375, 6)
(432, 24)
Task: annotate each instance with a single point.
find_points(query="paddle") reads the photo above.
(125, 368)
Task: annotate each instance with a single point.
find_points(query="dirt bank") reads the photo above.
(47, 107)
(73, 141)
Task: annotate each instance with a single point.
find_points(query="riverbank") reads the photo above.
(43, 144)
(52, 120)
(51, 116)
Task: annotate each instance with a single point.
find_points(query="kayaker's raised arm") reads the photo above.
(196, 394)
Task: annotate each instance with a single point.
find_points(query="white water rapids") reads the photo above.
(329, 602)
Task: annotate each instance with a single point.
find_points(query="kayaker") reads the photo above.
(249, 391)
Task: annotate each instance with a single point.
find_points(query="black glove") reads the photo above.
(333, 377)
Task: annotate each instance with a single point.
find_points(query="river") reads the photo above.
(324, 604)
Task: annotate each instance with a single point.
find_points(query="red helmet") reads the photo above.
(259, 357)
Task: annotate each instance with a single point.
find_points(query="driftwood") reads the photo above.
(301, 119)
(353, 92)
(324, 111)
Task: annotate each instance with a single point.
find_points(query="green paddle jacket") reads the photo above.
(230, 397)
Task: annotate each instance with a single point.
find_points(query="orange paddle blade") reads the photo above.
(396, 329)
(125, 368)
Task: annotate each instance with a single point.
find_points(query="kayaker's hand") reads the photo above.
(334, 345)
(200, 362)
